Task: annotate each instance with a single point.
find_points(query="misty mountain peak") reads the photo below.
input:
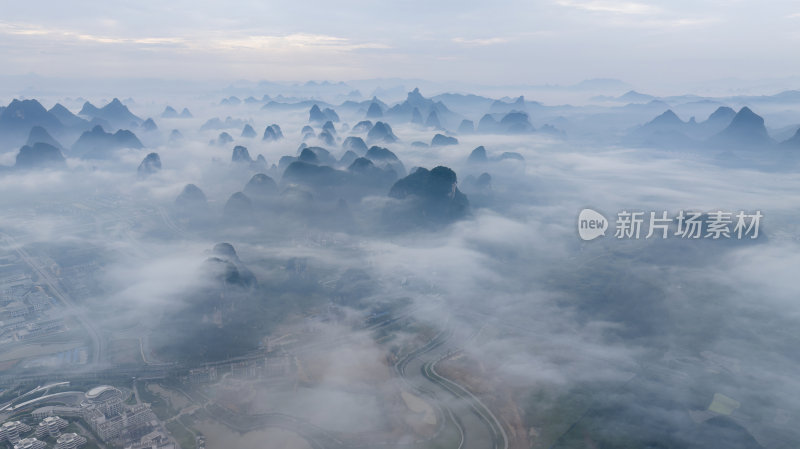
(377, 153)
(191, 194)
(433, 120)
(328, 126)
(442, 140)
(633, 96)
(722, 113)
(327, 138)
(260, 186)
(432, 195)
(39, 134)
(239, 206)
(374, 110)
(248, 131)
(88, 109)
(149, 125)
(99, 144)
(746, 129)
(415, 99)
(381, 132)
(39, 155)
(23, 109)
(226, 251)
(315, 114)
(225, 265)
(65, 116)
(115, 112)
(667, 118)
(151, 164)
(516, 122)
(746, 117)
(20, 116)
(363, 126)
(348, 158)
(355, 144)
(240, 154)
(360, 164)
(308, 156)
(488, 124)
(273, 132)
(478, 155)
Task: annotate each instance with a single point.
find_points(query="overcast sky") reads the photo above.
(528, 41)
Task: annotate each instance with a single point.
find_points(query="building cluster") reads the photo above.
(12, 430)
(112, 420)
(50, 427)
(26, 310)
(129, 424)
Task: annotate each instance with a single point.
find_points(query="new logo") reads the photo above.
(591, 224)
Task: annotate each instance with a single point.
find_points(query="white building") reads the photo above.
(58, 410)
(50, 426)
(106, 398)
(131, 418)
(30, 443)
(70, 441)
(11, 430)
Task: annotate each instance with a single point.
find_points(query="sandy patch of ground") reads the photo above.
(176, 400)
(219, 436)
(418, 405)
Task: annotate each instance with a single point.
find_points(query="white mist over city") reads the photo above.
(451, 225)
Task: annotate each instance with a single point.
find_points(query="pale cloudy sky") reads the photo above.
(529, 41)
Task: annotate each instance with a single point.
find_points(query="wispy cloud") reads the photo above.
(497, 40)
(481, 42)
(19, 29)
(293, 41)
(637, 15)
(659, 23)
(616, 7)
(214, 41)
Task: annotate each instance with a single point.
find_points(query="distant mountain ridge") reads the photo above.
(98, 144)
(115, 113)
(724, 128)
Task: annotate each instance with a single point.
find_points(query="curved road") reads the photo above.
(478, 426)
(464, 421)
